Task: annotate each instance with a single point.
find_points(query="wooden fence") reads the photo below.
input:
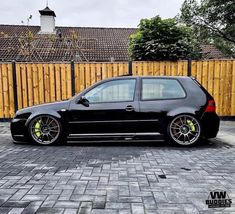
(28, 84)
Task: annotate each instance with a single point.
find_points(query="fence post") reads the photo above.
(189, 67)
(14, 85)
(130, 68)
(73, 77)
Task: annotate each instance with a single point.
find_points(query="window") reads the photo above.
(113, 91)
(161, 89)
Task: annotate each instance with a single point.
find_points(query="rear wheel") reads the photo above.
(184, 130)
(45, 130)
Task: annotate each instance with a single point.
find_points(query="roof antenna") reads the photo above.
(47, 3)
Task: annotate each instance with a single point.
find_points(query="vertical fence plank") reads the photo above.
(185, 73)
(115, 70)
(19, 86)
(168, 69)
(76, 77)
(46, 82)
(104, 70)
(204, 73)
(210, 76)
(29, 84)
(11, 92)
(216, 85)
(98, 72)
(110, 70)
(194, 68)
(145, 69)
(93, 73)
(233, 89)
(87, 75)
(229, 87)
(5, 90)
(52, 82)
(41, 83)
(1, 93)
(220, 101)
(69, 81)
(58, 82)
(82, 77)
(199, 72)
(162, 68)
(35, 85)
(24, 85)
(63, 82)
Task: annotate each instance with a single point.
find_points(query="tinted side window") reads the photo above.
(113, 91)
(161, 89)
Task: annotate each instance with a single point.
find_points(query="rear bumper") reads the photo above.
(18, 130)
(210, 125)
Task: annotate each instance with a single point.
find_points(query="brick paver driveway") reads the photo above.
(100, 178)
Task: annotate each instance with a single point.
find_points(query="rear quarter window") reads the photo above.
(160, 88)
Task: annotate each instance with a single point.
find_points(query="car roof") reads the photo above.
(140, 77)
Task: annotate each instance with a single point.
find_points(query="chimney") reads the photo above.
(47, 20)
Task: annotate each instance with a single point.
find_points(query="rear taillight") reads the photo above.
(211, 106)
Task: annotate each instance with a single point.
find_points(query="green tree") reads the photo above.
(212, 21)
(162, 39)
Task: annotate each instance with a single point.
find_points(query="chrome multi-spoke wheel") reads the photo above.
(44, 129)
(184, 130)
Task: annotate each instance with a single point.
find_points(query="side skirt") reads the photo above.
(98, 137)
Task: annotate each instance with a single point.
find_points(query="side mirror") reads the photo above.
(84, 101)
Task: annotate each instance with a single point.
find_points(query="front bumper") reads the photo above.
(18, 129)
(210, 125)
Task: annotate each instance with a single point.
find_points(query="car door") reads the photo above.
(158, 96)
(113, 108)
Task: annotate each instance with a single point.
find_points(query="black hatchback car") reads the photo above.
(178, 109)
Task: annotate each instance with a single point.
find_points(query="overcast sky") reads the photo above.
(89, 13)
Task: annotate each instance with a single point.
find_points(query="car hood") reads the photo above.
(56, 106)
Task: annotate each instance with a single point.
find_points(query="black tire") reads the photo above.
(45, 130)
(184, 130)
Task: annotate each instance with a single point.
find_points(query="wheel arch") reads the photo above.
(49, 113)
(183, 110)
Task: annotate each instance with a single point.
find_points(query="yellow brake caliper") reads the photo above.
(37, 128)
(191, 125)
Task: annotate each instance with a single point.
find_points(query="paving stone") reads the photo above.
(85, 208)
(124, 211)
(67, 204)
(70, 211)
(16, 211)
(43, 210)
(18, 204)
(99, 202)
(5, 210)
(106, 211)
(34, 197)
(116, 205)
(137, 208)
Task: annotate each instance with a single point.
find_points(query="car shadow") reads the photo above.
(204, 144)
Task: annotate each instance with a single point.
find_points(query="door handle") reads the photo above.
(130, 108)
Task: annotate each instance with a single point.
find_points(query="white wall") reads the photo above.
(47, 24)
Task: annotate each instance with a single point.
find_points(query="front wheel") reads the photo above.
(184, 130)
(45, 130)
